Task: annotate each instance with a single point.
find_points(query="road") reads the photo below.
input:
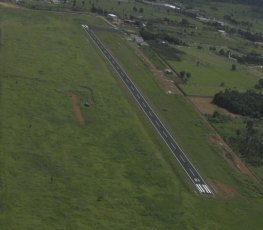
(192, 173)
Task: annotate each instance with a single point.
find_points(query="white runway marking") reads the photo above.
(206, 188)
(173, 145)
(191, 171)
(199, 186)
(182, 158)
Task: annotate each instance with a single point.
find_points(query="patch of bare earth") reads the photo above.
(76, 109)
(167, 84)
(205, 106)
(222, 189)
(232, 157)
(8, 5)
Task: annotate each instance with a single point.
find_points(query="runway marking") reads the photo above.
(192, 172)
(157, 123)
(182, 158)
(201, 188)
(198, 188)
(173, 145)
(143, 104)
(206, 188)
(164, 133)
(150, 113)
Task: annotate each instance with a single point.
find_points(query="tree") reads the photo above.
(188, 75)
(222, 52)
(185, 22)
(182, 74)
(134, 9)
(74, 3)
(259, 85)
(141, 10)
(93, 8)
(233, 68)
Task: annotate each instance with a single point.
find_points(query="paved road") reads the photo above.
(194, 176)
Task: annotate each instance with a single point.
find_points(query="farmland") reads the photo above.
(77, 153)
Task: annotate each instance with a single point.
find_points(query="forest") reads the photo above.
(249, 103)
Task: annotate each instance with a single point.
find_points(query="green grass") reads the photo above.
(188, 128)
(113, 172)
(213, 70)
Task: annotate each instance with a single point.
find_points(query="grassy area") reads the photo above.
(112, 172)
(211, 73)
(189, 129)
(55, 173)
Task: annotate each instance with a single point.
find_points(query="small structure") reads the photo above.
(139, 40)
(172, 7)
(128, 21)
(112, 17)
(203, 19)
(168, 71)
(231, 58)
(222, 32)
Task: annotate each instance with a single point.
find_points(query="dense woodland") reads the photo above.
(250, 142)
(249, 103)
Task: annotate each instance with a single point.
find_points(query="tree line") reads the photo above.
(149, 35)
(249, 103)
(250, 142)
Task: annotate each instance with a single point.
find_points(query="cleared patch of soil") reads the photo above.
(222, 189)
(8, 5)
(167, 84)
(205, 106)
(76, 109)
(231, 156)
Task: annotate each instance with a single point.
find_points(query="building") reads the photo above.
(139, 40)
(112, 17)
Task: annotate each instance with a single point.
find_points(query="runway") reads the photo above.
(192, 173)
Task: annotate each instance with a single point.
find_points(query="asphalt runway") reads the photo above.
(192, 173)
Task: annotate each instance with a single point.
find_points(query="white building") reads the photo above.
(112, 17)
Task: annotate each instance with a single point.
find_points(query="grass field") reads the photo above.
(189, 129)
(112, 172)
(213, 74)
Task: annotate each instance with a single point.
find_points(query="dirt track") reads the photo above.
(76, 109)
(169, 86)
(8, 5)
(222, 189)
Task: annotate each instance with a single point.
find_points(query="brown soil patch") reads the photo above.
(76, 109)
(8, 5)
(231, 156)
(222, 189)
(205, 106)
(167, 84)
